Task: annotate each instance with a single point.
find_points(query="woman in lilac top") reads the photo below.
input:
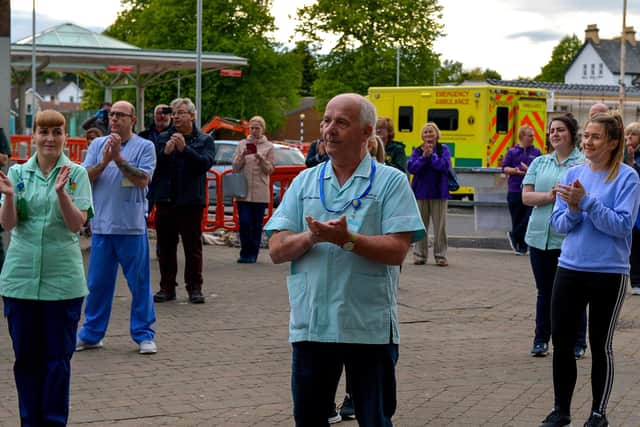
(429, 165)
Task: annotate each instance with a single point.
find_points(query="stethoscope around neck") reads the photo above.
(355, 203)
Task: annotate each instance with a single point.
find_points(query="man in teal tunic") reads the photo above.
(346, 227)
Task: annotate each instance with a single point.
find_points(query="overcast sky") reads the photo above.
(513, 37)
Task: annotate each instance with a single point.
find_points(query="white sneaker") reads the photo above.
(148, 347)
(635, 291)
(82, 345)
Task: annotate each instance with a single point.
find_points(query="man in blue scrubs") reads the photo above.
(120, 166)
(346, 226)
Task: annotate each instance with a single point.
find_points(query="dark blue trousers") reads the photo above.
(251, 215)
(544, 264)
(315, 373)
(44, 339)
(520, 214)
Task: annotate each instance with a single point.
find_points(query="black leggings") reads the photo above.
(572, 291)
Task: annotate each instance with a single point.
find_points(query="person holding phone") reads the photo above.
(255, 158)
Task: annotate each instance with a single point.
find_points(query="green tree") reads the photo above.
(268, 86)
(449, 71)
(368, 35)
(378, 23)
(306, 53)
(478, 74)
(561, 57)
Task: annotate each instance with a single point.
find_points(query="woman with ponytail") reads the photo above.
(596, 207)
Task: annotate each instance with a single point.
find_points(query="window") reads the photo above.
(593, 69)
(584, 70)
(601, 69)
(405, 119)
(502, 120)
(445, 119)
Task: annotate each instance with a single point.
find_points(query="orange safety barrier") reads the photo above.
(213, 218)
(220, 219)
(22, 145)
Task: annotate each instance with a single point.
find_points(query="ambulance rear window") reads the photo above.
(502, 120)
(446, 119)
(405, 119)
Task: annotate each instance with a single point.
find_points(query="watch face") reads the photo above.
(348, 246)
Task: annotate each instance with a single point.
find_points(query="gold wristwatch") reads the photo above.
(350, 244)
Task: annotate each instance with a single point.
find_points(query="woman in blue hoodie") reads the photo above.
(596, 207)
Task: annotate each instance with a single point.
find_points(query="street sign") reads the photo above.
(119, 68)
(230, 73)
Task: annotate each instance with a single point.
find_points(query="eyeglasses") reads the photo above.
(178, 113)
(118, 115)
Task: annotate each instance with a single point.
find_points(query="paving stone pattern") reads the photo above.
(466, 333)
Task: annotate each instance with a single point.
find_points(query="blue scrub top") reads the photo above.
(337, 295)
(120, 206)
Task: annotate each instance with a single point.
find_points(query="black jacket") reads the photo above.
(151, 133)
(180, 179)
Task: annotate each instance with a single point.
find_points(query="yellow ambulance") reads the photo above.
(478, 123)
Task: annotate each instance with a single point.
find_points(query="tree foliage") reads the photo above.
(308, 59)
(478, 74)
(268, 86)
(372, 23)
(561, 57)
(369, 33)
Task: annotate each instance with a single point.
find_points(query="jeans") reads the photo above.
(544, 264)
(251, 216)
(519, 217)
(173, 222)
(44, 339)
(572, 291)
(316, 369)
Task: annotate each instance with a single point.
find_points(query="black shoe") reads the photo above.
(597, 420)
(243, 260)
(346, 409)
(556, 419)
(196, 297)
(522, 249)
(540, 349)
(164, 296)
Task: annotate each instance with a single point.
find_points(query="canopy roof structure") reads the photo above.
(71, 48)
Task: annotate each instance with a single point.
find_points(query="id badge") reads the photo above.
(126, 183)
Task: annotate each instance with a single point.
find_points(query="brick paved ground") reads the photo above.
(466, 333)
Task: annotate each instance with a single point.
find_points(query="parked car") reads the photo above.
(285, 156)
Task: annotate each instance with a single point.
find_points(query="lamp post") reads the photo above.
(199, 64)
(398, 66)
(622, 57)
(301, 129)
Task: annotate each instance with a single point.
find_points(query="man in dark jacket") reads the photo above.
(179, 183)
(160, 123)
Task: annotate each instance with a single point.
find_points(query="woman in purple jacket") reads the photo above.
(429, 165)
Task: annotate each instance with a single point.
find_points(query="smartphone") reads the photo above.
(251, 148)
